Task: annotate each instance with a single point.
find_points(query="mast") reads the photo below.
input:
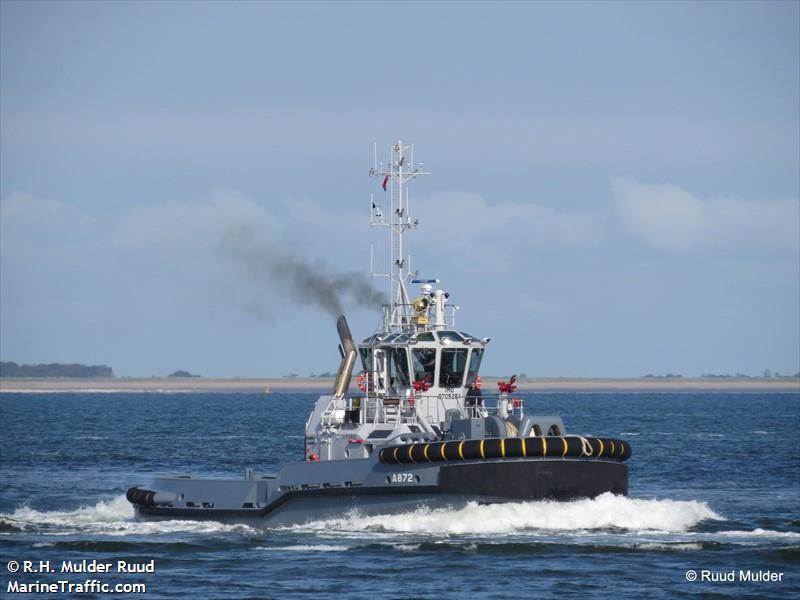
(394, 178)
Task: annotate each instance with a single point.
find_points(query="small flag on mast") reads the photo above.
(385, 183)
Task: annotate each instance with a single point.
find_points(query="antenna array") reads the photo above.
(393, 177)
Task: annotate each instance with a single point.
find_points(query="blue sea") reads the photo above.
(714, 491)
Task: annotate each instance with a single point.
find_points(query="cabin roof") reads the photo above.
(397, 339)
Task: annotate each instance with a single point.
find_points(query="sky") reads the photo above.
(615, 187)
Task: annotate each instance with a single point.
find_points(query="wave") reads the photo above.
(606, 523)
(108, 517)
(307, 548)
(762, 533)
(606, 512)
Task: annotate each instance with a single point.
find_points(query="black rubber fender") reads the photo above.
(140, 497)
(494, 448)
(610, 448)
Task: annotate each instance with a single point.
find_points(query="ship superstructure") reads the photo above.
(417, 430)
(417, 370)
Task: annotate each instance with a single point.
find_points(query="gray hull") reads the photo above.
(296, 496)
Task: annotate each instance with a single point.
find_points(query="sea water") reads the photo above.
(714, 505)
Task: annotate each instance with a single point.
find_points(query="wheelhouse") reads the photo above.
(395, 363)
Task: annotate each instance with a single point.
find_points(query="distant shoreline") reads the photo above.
(322, 385)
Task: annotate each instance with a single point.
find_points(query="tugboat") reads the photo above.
(419, 432)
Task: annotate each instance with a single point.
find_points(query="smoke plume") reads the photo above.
(310, 283)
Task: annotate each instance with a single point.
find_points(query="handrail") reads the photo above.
(402, 409)
(412, 326)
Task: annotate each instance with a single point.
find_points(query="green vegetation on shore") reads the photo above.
(181, 373)
(73, 371)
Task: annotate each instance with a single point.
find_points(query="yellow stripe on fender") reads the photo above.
(461, 450)
(425, 452)
(524, 449)
(441, 451)
(394, 454)
(482, 454)
(600, 452)
(566, 447)
(411, 458)
(544, 446)
(612, 447)
(502, 447)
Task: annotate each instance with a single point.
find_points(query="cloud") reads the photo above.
(178, 224)
(180, 249)
(31, 226)
(454, 226)
(155, 273)
(50, 214)
(466, 230)
(49, 228)
(469, 214)
(669, 218)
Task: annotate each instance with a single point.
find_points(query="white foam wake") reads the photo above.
(115, 517)
(307, 548)
(605, 512)
(109, 517)
(761, 533)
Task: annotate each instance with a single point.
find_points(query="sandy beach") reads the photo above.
(322, 385)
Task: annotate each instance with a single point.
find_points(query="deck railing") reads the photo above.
(401, 409)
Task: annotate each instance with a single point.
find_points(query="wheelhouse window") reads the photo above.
(399, 365)
(451, 370)
(379, 361)
(366, 359)
(452, 336)
(474, 365)
(423, 362)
